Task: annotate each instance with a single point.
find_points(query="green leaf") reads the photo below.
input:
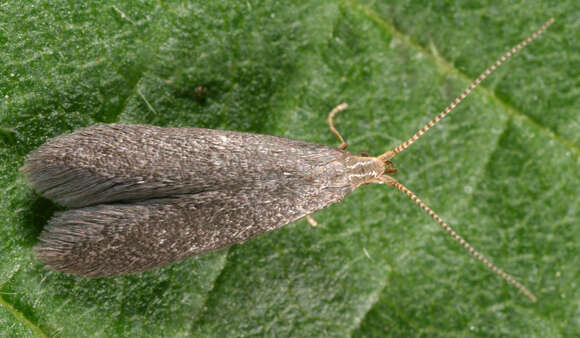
(502, 169)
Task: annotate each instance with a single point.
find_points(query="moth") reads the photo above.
(143, 196)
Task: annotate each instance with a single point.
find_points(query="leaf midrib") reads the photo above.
(21, 317)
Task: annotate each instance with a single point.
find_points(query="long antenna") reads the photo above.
(394, 183)
(391, 153)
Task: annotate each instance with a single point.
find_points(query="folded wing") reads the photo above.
(114, 162)
(114, 239)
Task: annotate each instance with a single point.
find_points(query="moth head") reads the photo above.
(386, 159)
(389, 168)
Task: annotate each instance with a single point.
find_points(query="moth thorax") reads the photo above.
(361, 170)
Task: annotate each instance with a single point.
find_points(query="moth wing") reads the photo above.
(114, 162)
(114, 239)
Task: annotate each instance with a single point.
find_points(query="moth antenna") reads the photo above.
(394, 183)
(391, 153)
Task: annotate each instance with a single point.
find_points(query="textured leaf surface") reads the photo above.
(503, 169)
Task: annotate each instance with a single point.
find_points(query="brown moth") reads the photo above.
(145, 196)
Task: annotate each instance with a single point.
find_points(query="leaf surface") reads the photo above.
(502, 169)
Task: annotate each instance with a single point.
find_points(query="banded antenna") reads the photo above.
(386, 157)
(391, 153)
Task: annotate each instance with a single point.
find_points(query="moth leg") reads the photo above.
(311, 220)
(335, 111)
